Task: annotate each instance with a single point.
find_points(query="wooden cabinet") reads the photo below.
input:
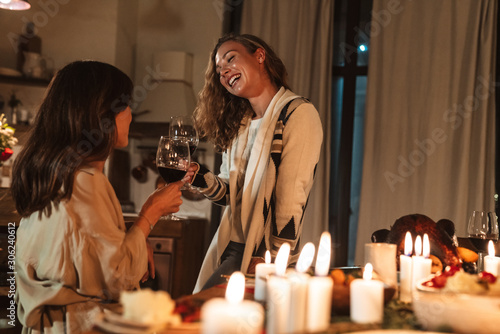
(189, 242)
(8, 211)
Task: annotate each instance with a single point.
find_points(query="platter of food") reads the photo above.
(458, 301)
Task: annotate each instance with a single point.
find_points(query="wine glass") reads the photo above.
(482, 227)
(183, 126)
(172, 160)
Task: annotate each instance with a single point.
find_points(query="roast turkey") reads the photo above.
(441, 237)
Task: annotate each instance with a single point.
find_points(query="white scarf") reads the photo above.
(252, 225)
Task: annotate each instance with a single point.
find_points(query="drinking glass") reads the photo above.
(172, 160)
(482, 227)
(183, 126)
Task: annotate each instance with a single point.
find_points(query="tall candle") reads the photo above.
(422, 265)
(367, 298)
(405, 270)
(492, 262)
(299, 281)
(232, 314)
(320, 287)
(278, 294)
(262, 271)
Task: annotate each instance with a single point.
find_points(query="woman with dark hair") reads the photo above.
(271, 140)
(73, 252)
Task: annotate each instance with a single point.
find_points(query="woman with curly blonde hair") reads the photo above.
(271, 140)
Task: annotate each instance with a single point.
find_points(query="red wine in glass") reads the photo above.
(482, 227)
(171, 174)
(480, 243)
(172, 160)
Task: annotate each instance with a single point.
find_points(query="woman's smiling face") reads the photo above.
(239, 71)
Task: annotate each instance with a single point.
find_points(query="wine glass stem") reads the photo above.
(480, 262)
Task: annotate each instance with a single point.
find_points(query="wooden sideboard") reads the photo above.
(8, 211)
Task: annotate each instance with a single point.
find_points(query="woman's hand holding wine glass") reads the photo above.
(173, 160)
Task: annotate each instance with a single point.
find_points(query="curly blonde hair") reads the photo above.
(219, 114)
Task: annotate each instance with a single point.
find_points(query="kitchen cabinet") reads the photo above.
(179, 247)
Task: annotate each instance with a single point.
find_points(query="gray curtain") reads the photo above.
(301, 33)
(430, 114)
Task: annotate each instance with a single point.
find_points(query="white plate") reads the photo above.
(118, 319)
(115, 323)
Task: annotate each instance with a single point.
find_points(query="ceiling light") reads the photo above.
(15, 4)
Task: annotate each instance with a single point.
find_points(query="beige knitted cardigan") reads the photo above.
(278, 179)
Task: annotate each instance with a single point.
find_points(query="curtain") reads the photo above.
(430, 114)
(301, 33)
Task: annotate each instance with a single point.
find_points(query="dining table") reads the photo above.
(398, 317)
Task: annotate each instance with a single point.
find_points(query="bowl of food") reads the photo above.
(458, 301)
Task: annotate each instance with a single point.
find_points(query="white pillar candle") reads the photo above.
(405, 270)
(262, 270)
(320, 288)
(382, 256)
(232, 314)
(421, 265)
(299, 281)
(278, 294)
(492, 262)
(367, 298)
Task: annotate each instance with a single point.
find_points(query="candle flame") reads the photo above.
(491, 248)
(368, 272)
(426, 251)
(268, 257)
(306, 258)
(418, 246)
(408, 244)
(282, 259)
(235, 288)
(323, 257)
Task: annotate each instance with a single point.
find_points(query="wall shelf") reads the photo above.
(24, 81)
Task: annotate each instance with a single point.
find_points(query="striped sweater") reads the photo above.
(279, 177)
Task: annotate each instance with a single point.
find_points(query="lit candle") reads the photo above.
(422, 265)
(320, 287)
(492, 262)
(278, 294)
(232, 314)
(298, 287)
(405, 270)
(262, 270)
(367, 298)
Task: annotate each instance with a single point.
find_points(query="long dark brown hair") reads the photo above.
(75, 124)
(219, 114)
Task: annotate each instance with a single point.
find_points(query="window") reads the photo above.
(349, 76)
